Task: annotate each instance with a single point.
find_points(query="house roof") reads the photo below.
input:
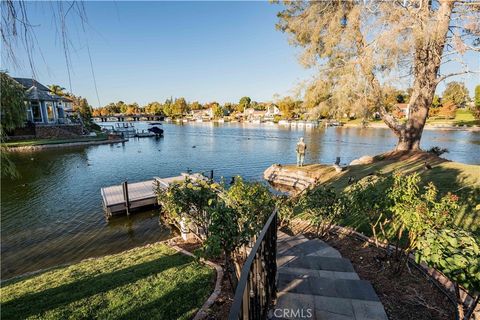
(28, 83)
(33, 93)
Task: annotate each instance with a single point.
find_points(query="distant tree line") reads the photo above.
(316, 105)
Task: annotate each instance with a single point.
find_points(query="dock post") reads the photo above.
(125, 196)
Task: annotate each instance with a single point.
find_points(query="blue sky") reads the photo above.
(147, 51)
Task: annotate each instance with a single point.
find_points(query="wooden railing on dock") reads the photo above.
(256, 288)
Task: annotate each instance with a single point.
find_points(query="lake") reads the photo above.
(53, 213)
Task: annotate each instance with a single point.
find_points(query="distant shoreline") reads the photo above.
(427, 127)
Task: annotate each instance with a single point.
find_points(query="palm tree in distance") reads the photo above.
(56, 89)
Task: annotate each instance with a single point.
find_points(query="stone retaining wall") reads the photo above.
(296, 180)
(62, 131)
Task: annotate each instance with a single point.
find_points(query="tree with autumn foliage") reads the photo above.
(359, 46)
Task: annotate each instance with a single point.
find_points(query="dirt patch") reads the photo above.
(221, 307)
(411, 295)
(411, 156)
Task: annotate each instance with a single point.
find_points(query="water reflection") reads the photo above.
(52, 214)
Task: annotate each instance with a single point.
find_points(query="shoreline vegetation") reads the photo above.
(448, 176)
(149, 282)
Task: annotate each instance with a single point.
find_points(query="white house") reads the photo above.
(272, 111)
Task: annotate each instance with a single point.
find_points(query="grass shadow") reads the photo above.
(42, 301)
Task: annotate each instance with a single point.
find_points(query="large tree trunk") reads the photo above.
(427, 61)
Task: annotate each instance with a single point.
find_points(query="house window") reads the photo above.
(50, 111)
(36, 112)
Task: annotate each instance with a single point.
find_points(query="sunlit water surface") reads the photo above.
(53, 213)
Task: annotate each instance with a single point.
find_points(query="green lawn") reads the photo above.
(458, 178)
(462, 117)
(153, 282)
(38, 142)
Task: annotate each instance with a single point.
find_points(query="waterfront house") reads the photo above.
(47, 114)
(401, 109)
(272, 111)
(201, 115)
(254, 115)
(44, 107)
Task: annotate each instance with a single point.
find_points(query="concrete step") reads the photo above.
(288, 242)
(302, 306)
(319, 273)
(327, 287)
(315, 247)
(315, 263)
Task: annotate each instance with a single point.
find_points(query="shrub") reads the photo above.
(321, 207)
(225, 220)
(455, 252)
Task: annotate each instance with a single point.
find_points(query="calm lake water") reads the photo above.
(53, 213)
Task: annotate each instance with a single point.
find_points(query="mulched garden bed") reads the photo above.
(411, 295)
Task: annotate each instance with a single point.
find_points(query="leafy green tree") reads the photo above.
(83, 108)
(243, 104)
(14, 110)
(217, 110)
(155, 108)
(56, 89)
(229, 107)
(436, 101)
(195, 105)
(287, 107)
(455, 92)
(179, 107)
(476, 106)
(13, 114)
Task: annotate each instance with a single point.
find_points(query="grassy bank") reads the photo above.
(153, 282)
(462, 117)
(458, 178)
(39, 142)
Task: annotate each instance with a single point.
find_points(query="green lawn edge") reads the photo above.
(151, 282)
(39, 142)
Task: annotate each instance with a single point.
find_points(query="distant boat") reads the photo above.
(144, 134)
(155, 124)
(156, 131)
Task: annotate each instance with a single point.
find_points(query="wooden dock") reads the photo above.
(126, 197)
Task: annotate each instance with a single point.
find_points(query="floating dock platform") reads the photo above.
(126, 197)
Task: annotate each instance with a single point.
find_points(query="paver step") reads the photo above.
(315, 263)
(319, 273)
(302, 306)
(319, 286)
(315, 247)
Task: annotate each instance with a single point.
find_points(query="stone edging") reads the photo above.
(63, 145)
(203, 312)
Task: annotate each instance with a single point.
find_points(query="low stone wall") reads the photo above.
(62, 131)
(289, 178)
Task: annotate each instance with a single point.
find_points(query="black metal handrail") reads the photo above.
(257, 288)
